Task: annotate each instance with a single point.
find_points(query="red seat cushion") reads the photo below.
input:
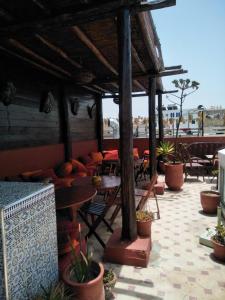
(135, 153)
(78, 166)
(111, 155)
(64, 169)
(146, 152)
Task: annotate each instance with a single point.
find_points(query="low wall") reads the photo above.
(143, 143)
(13, 162)
(80, 148)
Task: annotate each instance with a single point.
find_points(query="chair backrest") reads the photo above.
(150, 190)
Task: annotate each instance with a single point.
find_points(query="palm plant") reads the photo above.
(164, 150)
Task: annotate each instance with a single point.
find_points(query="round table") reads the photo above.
(107, 183)
(73, 197)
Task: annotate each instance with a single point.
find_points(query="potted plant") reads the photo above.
(174, 172)
(84, 276)
(144, 221)
(56, 292)
(218, 241)
(173, 167)
(209, 201)
(109, 281)
(164, 151)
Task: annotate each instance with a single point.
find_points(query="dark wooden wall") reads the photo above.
(23, 125)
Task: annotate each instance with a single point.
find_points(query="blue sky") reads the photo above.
(192, 34)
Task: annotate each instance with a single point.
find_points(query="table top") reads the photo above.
(107, 182)
(74, 196)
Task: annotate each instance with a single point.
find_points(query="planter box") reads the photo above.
(28, 243)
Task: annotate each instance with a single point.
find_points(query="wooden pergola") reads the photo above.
(99, 47)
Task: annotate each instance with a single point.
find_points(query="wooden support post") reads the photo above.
(152, 127)
(99, 121)
(129, 228)
(160, 118)
(65, 124)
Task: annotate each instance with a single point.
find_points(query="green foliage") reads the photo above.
(183, 85)
(56, 292)
(220, 234)
(80, 265)
(108, 276)
(165, 149)
(144, 215)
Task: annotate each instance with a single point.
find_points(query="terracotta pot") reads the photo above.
(209, 201)
(219, 250)
(162, 166)
(91, 290)
(174, 176)
(144, 228)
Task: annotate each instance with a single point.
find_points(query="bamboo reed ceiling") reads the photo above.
(70, 50)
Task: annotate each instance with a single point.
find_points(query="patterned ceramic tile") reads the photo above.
(29, 237)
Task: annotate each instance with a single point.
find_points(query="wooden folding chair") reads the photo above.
(99, 210)
(144, 194)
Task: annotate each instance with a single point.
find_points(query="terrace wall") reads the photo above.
(143, 143)
(23, 125)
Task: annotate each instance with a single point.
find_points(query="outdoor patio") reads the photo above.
(179, 267)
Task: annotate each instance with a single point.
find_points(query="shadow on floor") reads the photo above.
(222, 263)
(205, 214)
(142, 296)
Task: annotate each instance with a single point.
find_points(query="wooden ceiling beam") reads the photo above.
(148, 38)
(20, 46)
(74, 16)
(32, 63)
(173, 67)
(156, 4)
(91, 46)
(168, 73)
(91, 89)
(4, 14)
(58, 50)
(137, 59)
(42, 6)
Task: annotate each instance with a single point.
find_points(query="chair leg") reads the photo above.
(91, 229)
(157, 205)
(114, 214)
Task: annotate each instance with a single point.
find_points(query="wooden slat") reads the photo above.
(137, 59)
(67, 19)
(90, 45)
(19, 45)
(31, 62)
(58, 50)
(148, 37)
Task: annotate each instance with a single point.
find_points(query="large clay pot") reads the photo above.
(91, 290)
(144, 228)
(209, 201)
(174, 176)
(219, 250)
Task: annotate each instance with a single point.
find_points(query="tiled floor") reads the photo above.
(179, 267)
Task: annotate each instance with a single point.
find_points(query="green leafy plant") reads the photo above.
(56, 292)
(144, 215)
(81, 265)
(220, 234)
(164, 150)
(109, 281)
(109, 276)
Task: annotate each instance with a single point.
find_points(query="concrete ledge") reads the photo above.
(127, 253)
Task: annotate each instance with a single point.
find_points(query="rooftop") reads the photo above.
(179, 267)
